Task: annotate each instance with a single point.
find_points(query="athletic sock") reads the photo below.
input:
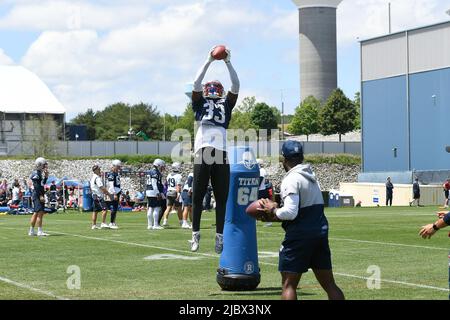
(31, 230)
(150, 217)
(156, 216)
(39, 229)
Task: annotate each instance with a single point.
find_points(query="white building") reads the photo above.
(28, 109)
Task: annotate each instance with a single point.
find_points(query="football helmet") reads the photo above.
(213, 89)
(117, 163)
(176, 167)
(159, 163)
(40, 163)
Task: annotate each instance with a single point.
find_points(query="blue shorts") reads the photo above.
(38, 206)
(297, 256)
(187, 199)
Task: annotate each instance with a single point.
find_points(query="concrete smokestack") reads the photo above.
(318, 58)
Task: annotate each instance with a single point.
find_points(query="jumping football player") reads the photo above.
(115, 190)
(173, 193)
(186, 195)
(99, 192)
(212, 114)
(155, 195)
(39, 178)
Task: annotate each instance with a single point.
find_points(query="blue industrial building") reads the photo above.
(405, 97)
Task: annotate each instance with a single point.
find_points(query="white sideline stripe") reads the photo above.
(24, 286)
(373, 242)
(395, 282)
(265, 263)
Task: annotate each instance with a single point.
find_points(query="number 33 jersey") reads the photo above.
(212, 117)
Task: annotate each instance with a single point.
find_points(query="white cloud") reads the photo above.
(63, 15)
(146, 50)
(4, 59)
(148, 61)
(369, 18)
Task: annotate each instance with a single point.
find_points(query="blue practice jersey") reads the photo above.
(39, 182)
(154, 185)
(213, 112)
(113, 182)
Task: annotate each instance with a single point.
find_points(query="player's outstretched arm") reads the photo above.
(197, 93)
(429, 230)
(235, 83)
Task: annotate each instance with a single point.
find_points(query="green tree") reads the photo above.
(357, 102)
(263, 117)
(187, 120)
(337, 115)
(89, 120)
(113, 121)
(306, 118)
(247, 104)
(241, 117)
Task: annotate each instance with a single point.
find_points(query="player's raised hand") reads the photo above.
(228, 57)
(210, 55)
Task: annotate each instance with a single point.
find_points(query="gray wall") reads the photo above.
(163, 148)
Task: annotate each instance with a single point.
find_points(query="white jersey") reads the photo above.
(15, 192)
(262, 174)
(96, 185)
(173, 181)
(210, 136)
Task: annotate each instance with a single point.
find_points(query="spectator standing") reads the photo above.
(16, 194)
(389, 191)
(446, 187)
(416, 193)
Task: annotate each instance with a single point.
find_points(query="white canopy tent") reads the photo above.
(22, 91)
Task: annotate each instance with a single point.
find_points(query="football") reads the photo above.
(252, 209)
(219, 52)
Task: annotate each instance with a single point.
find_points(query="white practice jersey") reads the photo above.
(173, 180)
(96, 185)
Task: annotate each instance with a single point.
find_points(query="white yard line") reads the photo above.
(25, 286)
(261, 262)
(372, 242)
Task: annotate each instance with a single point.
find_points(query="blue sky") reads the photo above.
(93, 53)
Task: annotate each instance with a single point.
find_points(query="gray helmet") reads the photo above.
(40, 163)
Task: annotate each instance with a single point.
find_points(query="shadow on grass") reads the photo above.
(270, 291)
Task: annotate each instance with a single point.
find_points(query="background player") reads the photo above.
(174, 185)
(263, 192)
(115, 190)
(212, 114)
(186, 195)
(155, 194)
(306, 241)
(99, 192)
(39, 178)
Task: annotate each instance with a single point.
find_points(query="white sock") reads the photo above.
(39, 229)
(183, 222)
(156, 216)
(31, 230)
(150, 217)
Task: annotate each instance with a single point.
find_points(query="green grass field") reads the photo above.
(113, 264)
